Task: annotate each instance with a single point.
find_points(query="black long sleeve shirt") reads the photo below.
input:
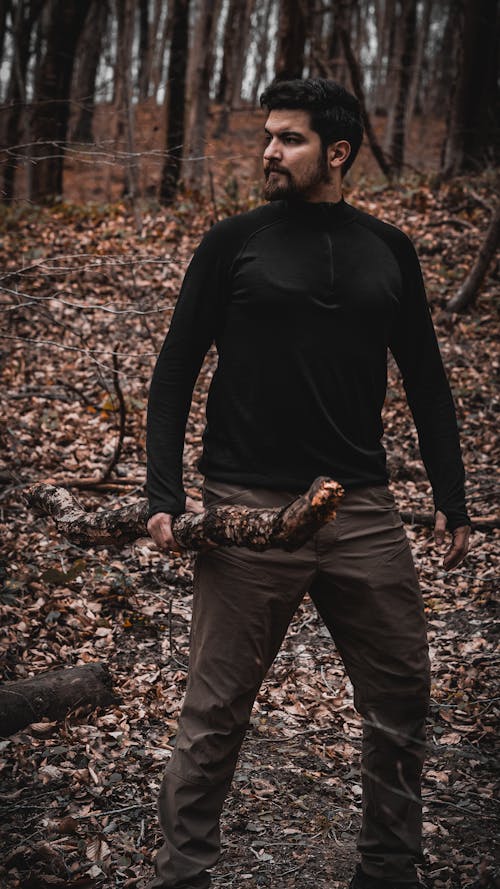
(302, 301)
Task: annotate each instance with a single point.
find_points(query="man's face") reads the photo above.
(294, 160)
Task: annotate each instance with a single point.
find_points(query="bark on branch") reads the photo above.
(287, 528)
(53, 695)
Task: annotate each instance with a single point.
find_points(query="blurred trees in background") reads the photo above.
(189, 59)
(175, 101)
(59, 29)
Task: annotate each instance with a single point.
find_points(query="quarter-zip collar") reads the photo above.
(320, 212)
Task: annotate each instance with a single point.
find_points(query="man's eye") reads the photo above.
(291, 140)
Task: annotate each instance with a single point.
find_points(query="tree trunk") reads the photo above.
(26, 14)
(159, 35)
(386, 80)
(125, 35)
(175, 102)
(355, 28)
(445, 71)
(144, 54)
(413, 104)
(124, 115)
(380, 13)
(469, 290)
(258, 529)
(5, 8)
(235, 42)
(445, 61)
(408, 35)
(199, 72)
(292, 35)
(53, 695)
(473, 119)
(51, 97)
(262, 30)
(317, 51)
(359, 92)
(226, 49)
(89, 54)
(335, 65)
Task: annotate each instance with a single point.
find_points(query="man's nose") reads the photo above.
(272, 150)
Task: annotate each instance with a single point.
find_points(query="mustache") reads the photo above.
(273, 168)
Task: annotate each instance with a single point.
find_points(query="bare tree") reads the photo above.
(235, 43)
(124, 116)
(200, 68)
(380, 12)
(51, 106)
(422, 34)
(159, 36)
(154, 14)
(125, 10)
(25, 16)
(262, 13)
(175, 102)
(473, 123)
(357, 85)
(5, 9)
(336, 68)
(406, 61)
(444, 59)
(294, 18)
(144, 38)
(386, 61)
(316, 52)
(84, 80)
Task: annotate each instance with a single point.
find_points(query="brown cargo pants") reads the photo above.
(360, 575)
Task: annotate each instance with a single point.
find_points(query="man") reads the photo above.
(303, 296)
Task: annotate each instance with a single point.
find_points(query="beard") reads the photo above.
(280, 184)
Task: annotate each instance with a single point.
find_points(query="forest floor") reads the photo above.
(87, 300)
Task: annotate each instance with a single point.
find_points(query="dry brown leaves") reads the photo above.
(78, 799)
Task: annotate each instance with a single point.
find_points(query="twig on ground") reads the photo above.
(122, 421)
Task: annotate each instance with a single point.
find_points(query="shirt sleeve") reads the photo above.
(415, 348)
(191, 332)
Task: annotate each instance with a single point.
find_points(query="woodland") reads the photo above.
(127, 129)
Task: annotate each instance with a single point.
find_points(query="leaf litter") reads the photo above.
(78, 798)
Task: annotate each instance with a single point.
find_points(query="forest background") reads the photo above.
(127, 128)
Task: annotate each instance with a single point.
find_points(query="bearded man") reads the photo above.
(303, 297)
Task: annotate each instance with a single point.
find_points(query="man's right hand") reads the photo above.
(160, 527)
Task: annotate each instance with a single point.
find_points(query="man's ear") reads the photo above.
(338, 152)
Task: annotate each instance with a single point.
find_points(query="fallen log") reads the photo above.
(53, 694)
(287, 527)
(471, 287)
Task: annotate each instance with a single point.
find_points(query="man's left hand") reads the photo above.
(459, 541)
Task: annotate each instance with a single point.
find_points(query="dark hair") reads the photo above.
(335, 113)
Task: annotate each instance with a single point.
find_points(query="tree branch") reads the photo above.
(123, 417)
(470, 288)
(357, 86)
(287, 527)
(427, 519)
